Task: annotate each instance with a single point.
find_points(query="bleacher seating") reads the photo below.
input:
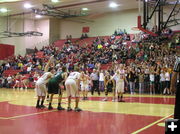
(60, 43)
(11, 72)
(81, 42)
(88, 41)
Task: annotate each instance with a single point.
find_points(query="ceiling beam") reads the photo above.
(64, 6)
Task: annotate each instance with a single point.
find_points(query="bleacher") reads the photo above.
(89, 41)
(10, 72)
(61, 42)
(81, 42)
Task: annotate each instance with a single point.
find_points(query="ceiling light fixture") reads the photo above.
(1, 1)
(55, 1)
(113, 5)
(27, 5)
(3, 10)
(38, 16)
(85, 9)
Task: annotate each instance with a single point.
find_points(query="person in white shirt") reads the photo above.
(9, 81)
(29, 69)
(167, 80)
(152, 79)
(35, 78)
(162, 81)
(84, 84)
(120, 78)
(72, 84)
(41, 84)
(7, 65)
(101, 80)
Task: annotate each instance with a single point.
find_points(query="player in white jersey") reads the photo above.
(120, 78)
(41, 84)
(72, 84)
(84, 84)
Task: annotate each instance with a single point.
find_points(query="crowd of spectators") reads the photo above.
(147, 65)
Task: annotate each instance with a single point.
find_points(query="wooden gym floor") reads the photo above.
(142, 114)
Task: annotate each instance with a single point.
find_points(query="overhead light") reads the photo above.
(38, 16)
(1, 1)
(3, 10)
(113, 5)
(27, 5)
(55, 1)
(85, 9)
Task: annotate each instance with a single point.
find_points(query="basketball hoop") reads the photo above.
(135, 29)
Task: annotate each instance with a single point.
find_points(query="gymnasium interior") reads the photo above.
(140, 38)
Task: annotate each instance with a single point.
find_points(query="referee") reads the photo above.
(173, 82)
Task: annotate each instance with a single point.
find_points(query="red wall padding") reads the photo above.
(6, 51)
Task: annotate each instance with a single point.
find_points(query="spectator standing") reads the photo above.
(141, 82)
(146, 80)
(152, 79)
(101, 80)
(162, 81)
(132, 80)
(9, 81)
(95, 79)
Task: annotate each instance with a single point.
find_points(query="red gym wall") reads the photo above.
(6, 50)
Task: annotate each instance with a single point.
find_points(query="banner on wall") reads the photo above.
(85, 29)
(6, 51)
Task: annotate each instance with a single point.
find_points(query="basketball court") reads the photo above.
(130, 43)
(139, 114)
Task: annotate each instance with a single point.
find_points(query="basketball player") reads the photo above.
(17, 81)
(54, 87)
(109, 86)
(120, 79)
(23, 82)
(84, 84)
(41, 84)
(173, 81)
(36, 77)
(72, 84)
